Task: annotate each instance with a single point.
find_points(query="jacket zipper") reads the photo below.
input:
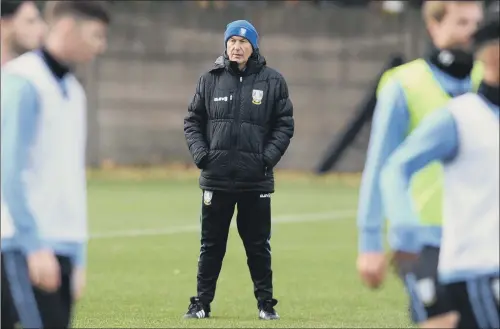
(236, 106)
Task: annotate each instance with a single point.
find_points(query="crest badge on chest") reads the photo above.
(257, 96)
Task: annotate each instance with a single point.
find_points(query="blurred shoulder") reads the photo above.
(14, 84)
(24, 64)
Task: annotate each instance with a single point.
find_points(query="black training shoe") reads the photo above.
(267, 311)
(197, 310)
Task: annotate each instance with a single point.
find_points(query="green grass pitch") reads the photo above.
(144, 249)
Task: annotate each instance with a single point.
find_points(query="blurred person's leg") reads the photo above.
(8, 314)
(430, 305)
(254, 227)
(34, 307)
(56, 308)
(476, 301)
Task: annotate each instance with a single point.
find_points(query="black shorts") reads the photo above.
(428, 298)
(29, 306)
(477, 301)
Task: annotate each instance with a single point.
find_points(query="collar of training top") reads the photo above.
(491, 93)
(57, 68)
(456, 62)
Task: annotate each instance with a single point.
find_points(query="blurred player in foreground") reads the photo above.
(406, 95)
(43, 137)
(464, 137)
(22, 28)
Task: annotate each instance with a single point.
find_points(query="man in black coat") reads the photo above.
(239, 125)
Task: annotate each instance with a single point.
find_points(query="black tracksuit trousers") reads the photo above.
(29, 306)
(254, 227)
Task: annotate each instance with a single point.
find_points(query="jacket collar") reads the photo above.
(255, 63)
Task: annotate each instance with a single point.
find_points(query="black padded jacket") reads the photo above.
(239, 125)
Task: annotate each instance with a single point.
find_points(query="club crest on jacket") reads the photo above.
(257, 96)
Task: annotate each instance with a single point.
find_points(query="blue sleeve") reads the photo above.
(436, 139)
(20, 114)
(81, 256)
(389, 127)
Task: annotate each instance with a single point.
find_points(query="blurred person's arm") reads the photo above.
(194, 126)
(436, 139)
(20, 115)
(283, 126)
(79, 276)
(389, 127)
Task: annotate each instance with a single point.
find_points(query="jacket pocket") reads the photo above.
(250, 167)
(217, 165)
(209, 159)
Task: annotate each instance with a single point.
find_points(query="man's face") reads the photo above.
(239, 49)
(87, 39)
(26, 29)
(458, 25)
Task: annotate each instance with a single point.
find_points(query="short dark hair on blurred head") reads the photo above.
(9, 8)
(78, 8)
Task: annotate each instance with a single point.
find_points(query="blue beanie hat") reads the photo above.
(242, 29)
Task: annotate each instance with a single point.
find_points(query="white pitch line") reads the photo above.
(310, 217)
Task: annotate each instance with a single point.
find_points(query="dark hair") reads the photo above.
(9, 8)
(489, 30)
(79, 8)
